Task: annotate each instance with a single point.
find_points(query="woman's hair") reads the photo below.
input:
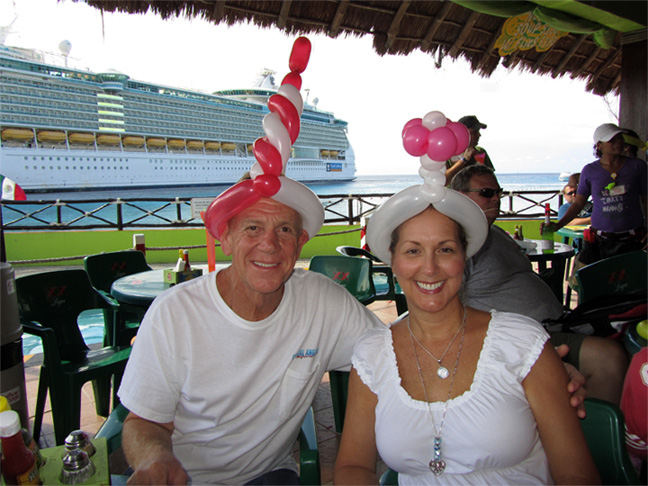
(597, 151)
(395, 236)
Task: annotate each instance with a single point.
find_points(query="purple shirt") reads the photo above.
(619, 208)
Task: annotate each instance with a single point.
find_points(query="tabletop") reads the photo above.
(561, 251)
(571, 231)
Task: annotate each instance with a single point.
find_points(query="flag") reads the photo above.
(11, 191)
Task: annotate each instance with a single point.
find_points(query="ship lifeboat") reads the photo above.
(108, 139)
(326, 153)
(155, 142)
(334, 153)
(229, 147)
(212, 145)
(51, 136)
(86, 138)
(178, 144)
(195, 144)
(20, 134)
(133, 141)
(250, 148)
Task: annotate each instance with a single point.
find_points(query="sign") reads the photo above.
(198, 205)
(526, 32)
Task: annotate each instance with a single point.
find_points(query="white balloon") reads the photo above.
(297, 196)
(293, 95)
(469, 215)
(423, 172)
(434, 119)
(278, 136)
(433, 193)
(430, 164)
(255, 170)
(435, 178)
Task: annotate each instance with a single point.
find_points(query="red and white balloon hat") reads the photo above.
(434, 139)
(267, 174)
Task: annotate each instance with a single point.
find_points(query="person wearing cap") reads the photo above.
(473, 154)
(450, 394)
(618, 187)
(499, 276)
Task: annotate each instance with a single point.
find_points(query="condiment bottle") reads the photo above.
(547, 242)
(180, 265)
(185, 257)
(18, 462)
(26, 434)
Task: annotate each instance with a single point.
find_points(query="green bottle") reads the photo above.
(547, 241)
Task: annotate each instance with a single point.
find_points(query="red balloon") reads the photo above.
(227, 205)
(299, 55)
(415, 140)
(294, 79)
(268, 156)
(413, 122)
(442, 144)
(462, 134)
(287, 112)
(267, 185)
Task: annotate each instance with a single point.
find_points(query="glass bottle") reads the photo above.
(18, 462)
(28, 438)
(547, 241)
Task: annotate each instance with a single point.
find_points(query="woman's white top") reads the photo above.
(489, 435)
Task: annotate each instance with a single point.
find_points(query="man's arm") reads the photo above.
(459, 164)
(149, 451)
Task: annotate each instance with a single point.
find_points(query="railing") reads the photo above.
(121, 214)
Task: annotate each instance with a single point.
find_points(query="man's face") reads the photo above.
(481, 184)
(265, 241)
(569, 193)
(475, 135)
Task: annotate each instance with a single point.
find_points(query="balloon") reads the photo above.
(434, 119)
(429, 164)
(293, 79)
(268, 156)
(292, 93)
(277, 135)
(299, 197)
(462, 135)
(415, 140)
(255, 170)
(442, 144)
(436, 177)
(267, 185)
(287, 112)
(413, 122)
(469, 215)
(299, 55)
(423, 172)
(228, 204)
(432, 193)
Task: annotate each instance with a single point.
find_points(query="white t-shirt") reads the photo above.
(237, 391)
(489, 435)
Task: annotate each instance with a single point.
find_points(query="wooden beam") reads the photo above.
(604, 65)
(395, 24)
(337, 18)
(585, 65)
(283, 14)
(465, 32)
(436, 23)
(218, 13)
(563, 62)
(488, 52)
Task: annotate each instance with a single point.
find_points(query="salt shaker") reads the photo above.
(78, 439)
(77, 467)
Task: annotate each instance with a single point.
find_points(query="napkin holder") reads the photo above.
(171, 276)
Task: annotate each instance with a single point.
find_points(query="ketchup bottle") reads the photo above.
(18, 462)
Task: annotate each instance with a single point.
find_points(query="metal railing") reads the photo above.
(123, 214)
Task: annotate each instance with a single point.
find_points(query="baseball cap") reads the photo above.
(606, 132)
(471, 121)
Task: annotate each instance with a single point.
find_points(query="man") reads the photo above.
(569, 192)
(225, 366)
(501, 277)
(473, 154)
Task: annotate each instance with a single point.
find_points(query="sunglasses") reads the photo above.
(487, 192)
(570, 193)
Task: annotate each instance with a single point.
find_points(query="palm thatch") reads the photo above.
(398, 27)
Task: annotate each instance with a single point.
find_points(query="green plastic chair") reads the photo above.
(50, 305)
(619, 274)
(339, 382)
(103, 269)
(354, 274)
(309, 463)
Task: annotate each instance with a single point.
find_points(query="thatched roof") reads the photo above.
(440, 28)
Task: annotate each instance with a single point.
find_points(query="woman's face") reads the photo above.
(429, 259)
(613, 147)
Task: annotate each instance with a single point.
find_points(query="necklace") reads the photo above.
(612, 184)
(437, 464)
(442, 371)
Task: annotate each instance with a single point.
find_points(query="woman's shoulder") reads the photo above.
(516, 329)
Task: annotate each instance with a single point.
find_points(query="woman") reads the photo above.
(450, 394)
(618, 188)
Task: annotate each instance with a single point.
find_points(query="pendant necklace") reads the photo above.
(442, 371)
(611, 185)
(437, 464)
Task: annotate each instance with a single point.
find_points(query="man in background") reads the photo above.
(473, 154)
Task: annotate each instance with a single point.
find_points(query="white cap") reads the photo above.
(606, 132)
(9, 423)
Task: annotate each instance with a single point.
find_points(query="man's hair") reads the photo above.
(461, 182)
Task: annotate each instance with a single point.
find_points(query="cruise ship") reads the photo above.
(68, 129)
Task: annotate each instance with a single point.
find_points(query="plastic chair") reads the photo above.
(103, 269)
(309, 464)
(384, 281)
(354, 274)
(49, 306)
(339, 382)
(615, 275)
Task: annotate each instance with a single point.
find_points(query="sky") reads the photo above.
(536, 124)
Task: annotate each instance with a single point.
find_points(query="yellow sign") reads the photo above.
(526, 32)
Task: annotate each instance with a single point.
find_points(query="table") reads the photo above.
(571, 231)
(559, 259)
(141, 289)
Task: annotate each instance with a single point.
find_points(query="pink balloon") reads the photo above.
(268, 157)
(462, 134)
(415, 140)
(299, 55)
(228, 204)
(267, 185)
(292, 78)
(411, 123)
(442, 144)
(287, 112)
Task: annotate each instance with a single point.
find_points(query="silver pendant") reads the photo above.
(443, 372)
(437, 466)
